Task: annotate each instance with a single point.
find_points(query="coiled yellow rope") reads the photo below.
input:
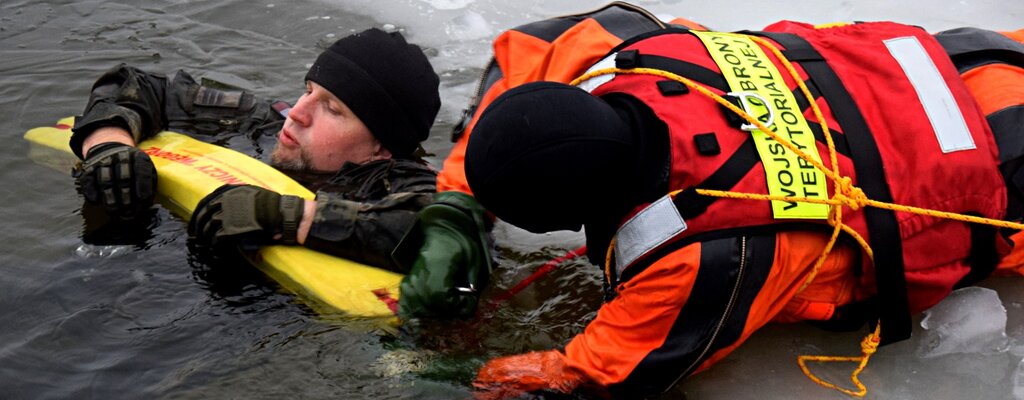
(844, 194)
(868, 346)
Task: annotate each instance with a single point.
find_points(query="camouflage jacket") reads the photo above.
(362, 211)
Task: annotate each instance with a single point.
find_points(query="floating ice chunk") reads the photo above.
(970, 320)
(398, 362)
(468, 26)
(91, 251)
(1018, 381)
(448, 4)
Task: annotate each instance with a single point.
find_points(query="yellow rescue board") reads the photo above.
(189, 169)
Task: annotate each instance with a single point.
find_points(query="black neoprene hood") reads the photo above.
(547, 156)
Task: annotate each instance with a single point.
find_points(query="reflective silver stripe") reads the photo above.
(593, 83)
(647, 230)
(939, 104)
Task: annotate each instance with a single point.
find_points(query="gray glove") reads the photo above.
(117, 177)
(245, 215)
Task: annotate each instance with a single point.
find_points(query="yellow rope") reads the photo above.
(842, 186)
(844, 194)
(608, 261)
(868, 346)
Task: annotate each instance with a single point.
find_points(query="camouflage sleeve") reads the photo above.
(367, 209)
(220, 111)
(364, 232)
(126, 97)
(145, 103)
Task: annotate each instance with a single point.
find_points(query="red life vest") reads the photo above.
(889, 142)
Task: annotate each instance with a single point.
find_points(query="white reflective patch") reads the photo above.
(593, 83)
(939, 104)
(647, 230)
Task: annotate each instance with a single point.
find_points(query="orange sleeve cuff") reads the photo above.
(512, 376)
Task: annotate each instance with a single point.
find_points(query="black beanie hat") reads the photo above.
(388, 84)
(547, 156)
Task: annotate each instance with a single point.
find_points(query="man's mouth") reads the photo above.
(286, 139)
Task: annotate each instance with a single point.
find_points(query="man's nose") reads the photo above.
(301, 111)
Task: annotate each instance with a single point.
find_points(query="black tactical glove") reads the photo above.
(117, 177)
(245, 215)
(448, 257)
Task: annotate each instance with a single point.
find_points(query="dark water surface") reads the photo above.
(148, 320)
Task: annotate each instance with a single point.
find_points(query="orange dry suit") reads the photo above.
(557, 49)
(745, 268)
(953, 168)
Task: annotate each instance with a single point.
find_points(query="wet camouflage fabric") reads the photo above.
(362, 211)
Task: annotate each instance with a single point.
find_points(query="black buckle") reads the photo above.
(672, 88)
(627, 59)
(707, 144)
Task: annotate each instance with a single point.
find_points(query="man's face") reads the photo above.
(322, 133)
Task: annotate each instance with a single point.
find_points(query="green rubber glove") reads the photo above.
(448, 258)
(244, 215)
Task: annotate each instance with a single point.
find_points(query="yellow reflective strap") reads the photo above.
(752, 77)
(831, 25)
(846, 194)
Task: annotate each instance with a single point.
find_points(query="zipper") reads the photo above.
(467, 114)
(210, 126)
(725, 315)
(479, 92)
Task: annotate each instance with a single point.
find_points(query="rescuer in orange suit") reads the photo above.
(627, 137)
(607, 159)
(446, 253)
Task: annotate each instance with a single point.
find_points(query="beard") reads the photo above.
(301, 163)
(299, 168)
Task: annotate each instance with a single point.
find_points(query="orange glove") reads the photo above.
(512, 376)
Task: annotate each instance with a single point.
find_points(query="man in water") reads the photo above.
(370, 100)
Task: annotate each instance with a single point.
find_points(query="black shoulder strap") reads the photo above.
(973, 47)
(689, 202)
(883, 228)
